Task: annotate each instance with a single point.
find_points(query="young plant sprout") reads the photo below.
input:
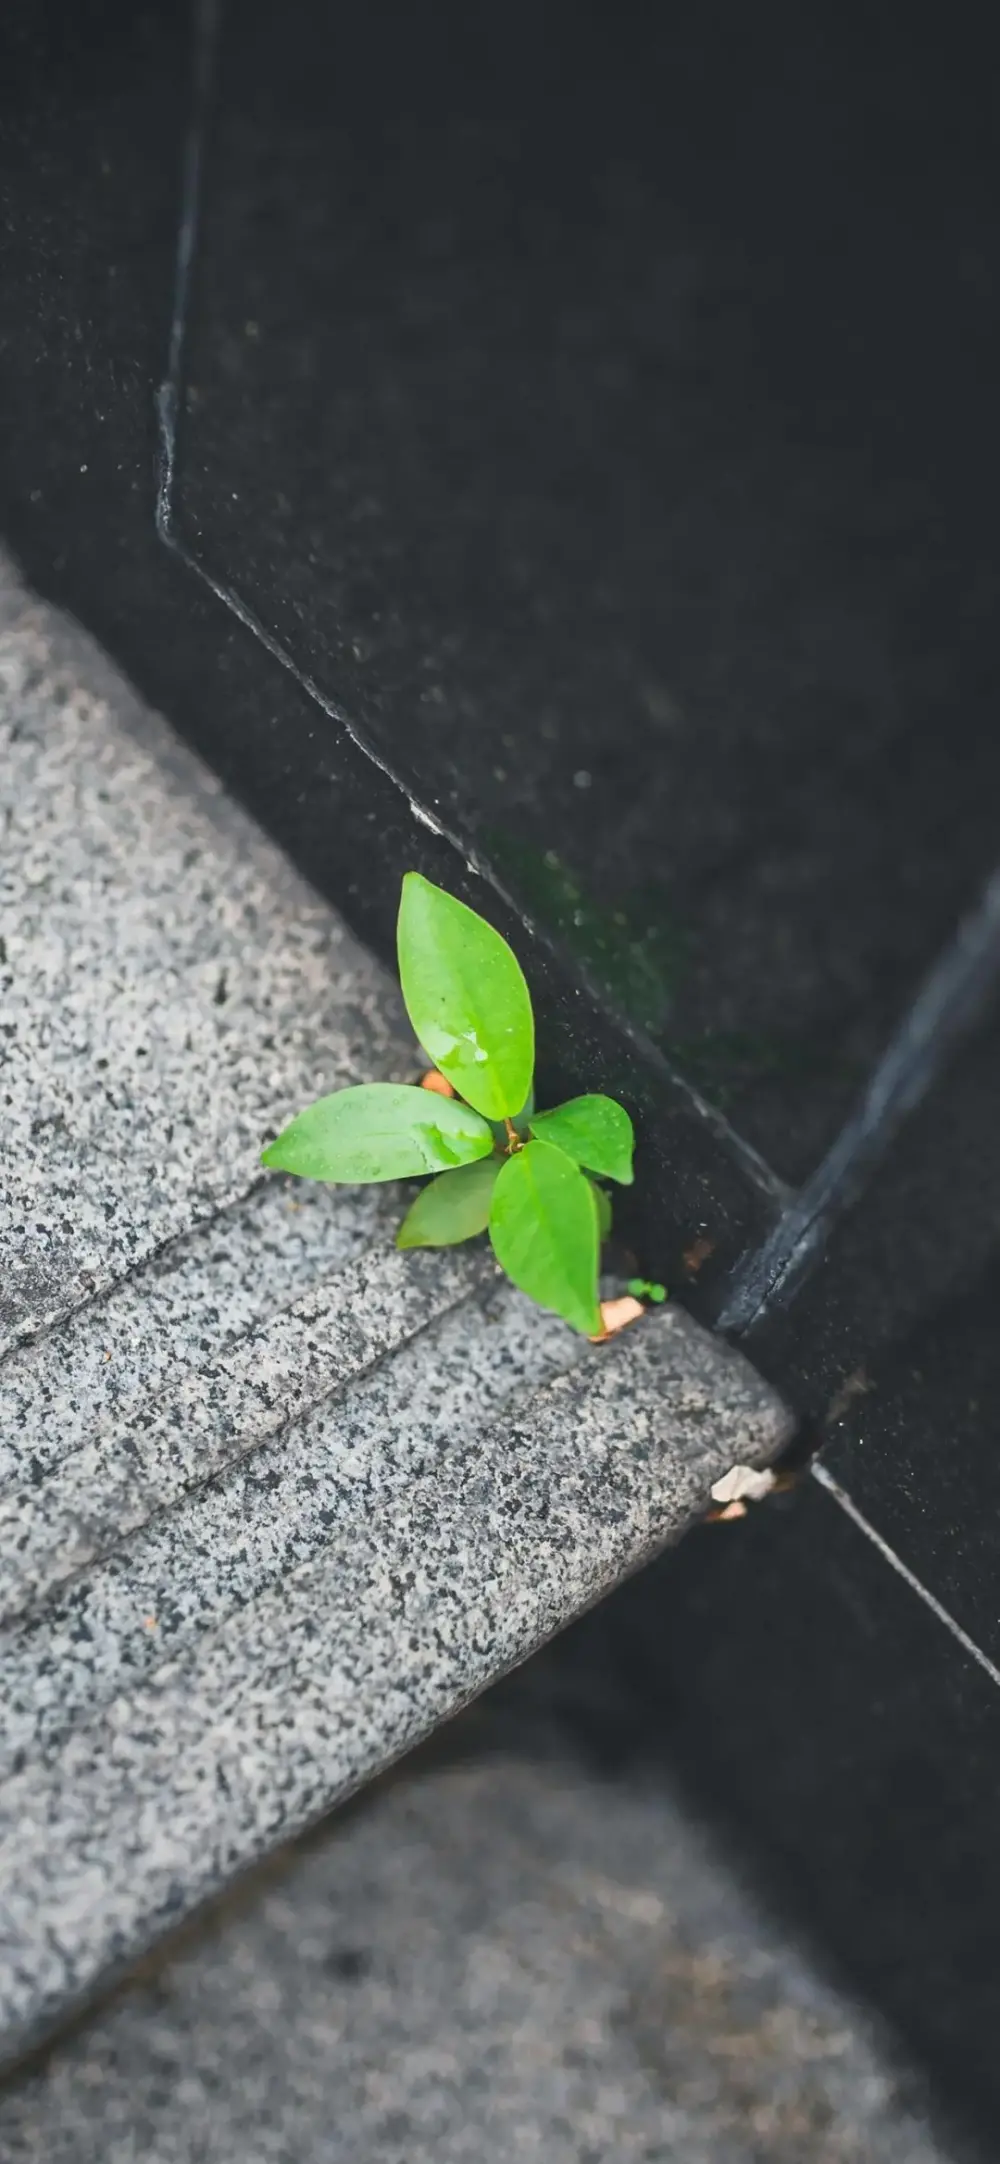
(529, 1178)
(644, 1288)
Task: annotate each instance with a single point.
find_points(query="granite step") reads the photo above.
(191, 1300)
(363, 1606)
(170, 989)
(273, 1508)
(275, 1500)
(115, 1480)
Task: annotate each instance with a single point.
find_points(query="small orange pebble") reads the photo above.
(696, 1254)
(149, 1622)
(726, 1516)
(616, 1315)
(439, 1083)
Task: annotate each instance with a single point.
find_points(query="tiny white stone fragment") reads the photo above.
(744, 1484)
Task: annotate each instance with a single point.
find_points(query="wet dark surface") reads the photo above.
(911, 1451)
(601, 411)
(566, 397)
(919, 1237)
(96, 109)
(820, 1710)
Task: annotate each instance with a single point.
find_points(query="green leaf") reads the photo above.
(380, 1131)
(453, 1207)
(604, 1212)
(543, 1225)
(594, 1131)
(466, 998)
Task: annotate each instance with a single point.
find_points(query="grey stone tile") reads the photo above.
(170, 989)
(193, 1298)
(112, 1483)
(321, 1680)
(274, 1509)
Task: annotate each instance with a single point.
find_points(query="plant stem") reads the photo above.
(513, 1138)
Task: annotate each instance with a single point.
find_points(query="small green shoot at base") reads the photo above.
(645, 1288)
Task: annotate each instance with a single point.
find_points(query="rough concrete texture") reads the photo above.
(274, 1498)
(169, 989)
(193, 1299)
(271, 1511)
(101, 1491)
(481, 1962)
(375, 1597)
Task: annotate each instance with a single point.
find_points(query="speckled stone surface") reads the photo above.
(484, 1961)
(117, 1479)
(269, 1512)
(434, 1566)
(275, 1500)
(192, 1300)
(170, 990)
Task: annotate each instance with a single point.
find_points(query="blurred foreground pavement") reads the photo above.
(484, 1958)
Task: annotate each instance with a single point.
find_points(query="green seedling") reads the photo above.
(645, 1288)
(528, 1178)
